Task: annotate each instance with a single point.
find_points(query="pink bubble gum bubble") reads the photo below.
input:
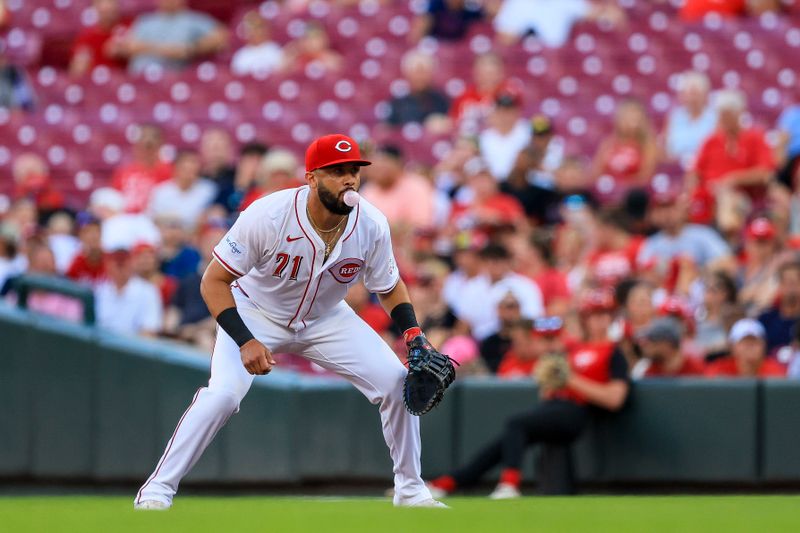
(351, 198)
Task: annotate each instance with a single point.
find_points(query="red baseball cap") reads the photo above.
(663, 190)
(597, 300)
(142, 247)
(333, 150)
(761, 228)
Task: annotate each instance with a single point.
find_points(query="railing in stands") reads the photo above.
(26, 284)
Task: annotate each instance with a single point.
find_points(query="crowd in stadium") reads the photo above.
(674, 239)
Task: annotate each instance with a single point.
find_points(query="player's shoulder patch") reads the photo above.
(235, 247)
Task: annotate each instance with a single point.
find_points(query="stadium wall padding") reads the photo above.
(77, 403)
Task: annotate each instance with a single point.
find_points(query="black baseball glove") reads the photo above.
(429, 374)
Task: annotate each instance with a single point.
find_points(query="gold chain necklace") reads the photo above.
(308, 214)
(329, 242)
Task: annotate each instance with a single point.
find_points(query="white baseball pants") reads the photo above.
(340, 342)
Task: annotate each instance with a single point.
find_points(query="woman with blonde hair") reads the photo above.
(629, 154)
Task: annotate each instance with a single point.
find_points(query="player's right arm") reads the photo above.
(215, 288)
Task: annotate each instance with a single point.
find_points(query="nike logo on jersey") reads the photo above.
(292, 239)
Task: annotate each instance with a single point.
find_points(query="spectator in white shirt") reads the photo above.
(260, 56)
(61, 240)
(692, 121)
(120, 230)
(186, 195)
(551, 20)
(481, 295)
(468, 267)
(507, 134)
(124, 303)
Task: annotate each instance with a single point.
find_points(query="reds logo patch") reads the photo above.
(346, 270)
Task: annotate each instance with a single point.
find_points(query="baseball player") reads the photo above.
(276, 284)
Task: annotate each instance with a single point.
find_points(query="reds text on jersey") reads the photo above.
(278, 256)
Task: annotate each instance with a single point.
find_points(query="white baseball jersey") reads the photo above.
(279, 256)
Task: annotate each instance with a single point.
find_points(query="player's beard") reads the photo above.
(331, 202)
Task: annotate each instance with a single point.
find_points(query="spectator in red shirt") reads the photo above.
(485, 207)
(477, 101)
(531, 339)
(32, 180)
(748, 354)
(694, 10)
(615, 252)
(599, 376)
(100, 44)
(534, 258)
(661, 352)
(629, 154)
(734, 158)
(596, 308)
(137, 179)
(88, 266)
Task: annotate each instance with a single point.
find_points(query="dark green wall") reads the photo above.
(76, 403)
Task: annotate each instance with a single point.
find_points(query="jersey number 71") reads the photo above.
(282, 260)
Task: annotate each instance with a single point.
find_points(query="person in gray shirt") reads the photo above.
(171, 37)
(676, 238)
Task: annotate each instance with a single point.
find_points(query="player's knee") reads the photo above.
(392, 383)
(238, 390)
(226, 402)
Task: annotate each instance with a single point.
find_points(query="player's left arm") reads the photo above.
(397, 304)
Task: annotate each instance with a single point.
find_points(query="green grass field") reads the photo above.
(596, 514)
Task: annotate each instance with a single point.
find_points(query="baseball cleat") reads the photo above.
(430, 502)
(505, 491)
(151, 505)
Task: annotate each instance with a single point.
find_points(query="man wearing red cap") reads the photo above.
(596, 375)
(277, 283)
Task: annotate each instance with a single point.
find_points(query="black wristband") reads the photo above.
(230, 321)
(404, 317)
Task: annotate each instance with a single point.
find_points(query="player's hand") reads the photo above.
(256, 358)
